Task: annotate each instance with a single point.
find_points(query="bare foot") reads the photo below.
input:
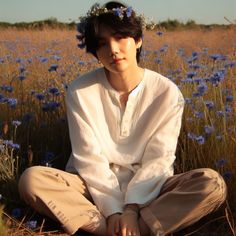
(143, 228)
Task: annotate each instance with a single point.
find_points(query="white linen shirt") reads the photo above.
(123, 154)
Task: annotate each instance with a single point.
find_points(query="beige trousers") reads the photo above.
(63, 196)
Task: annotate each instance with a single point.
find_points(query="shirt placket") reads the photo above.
(125, 122)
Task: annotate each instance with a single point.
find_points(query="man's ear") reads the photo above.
(139, 43)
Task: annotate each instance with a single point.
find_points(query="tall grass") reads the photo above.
(3, 229)
(37, 66)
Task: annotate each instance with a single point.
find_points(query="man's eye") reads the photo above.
(118, 36)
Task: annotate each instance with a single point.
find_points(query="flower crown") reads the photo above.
(97, 10)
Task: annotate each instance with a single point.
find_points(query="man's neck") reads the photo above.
(125, 82)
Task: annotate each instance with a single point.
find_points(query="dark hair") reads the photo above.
(127, 25)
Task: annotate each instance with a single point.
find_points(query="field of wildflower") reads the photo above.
(35, 70)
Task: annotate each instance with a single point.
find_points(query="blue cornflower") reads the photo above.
(1, 60)
(200, 139)
(217, 57)
(82, 63)
(32, 224)
(220, 113)
(129, 11)
(16, 212)
(81, 45)
(53, 68)
(194, 54)
(202, 88)
(209, 129)
(49, 156)
(196, 94)
(3, 100)
(54, 91)
(12, 102)
(7, 88)
(32, 92)
(188, 100)
(16, 122)
(21, 77)
(230, 64)
(50, 106)
(43, 59)
(80, 37)
(209, 104)
(198, 80)
(118, 12)
(19, 60)
(158, 61)
(229, 98)
(57, 58)
(198, 114)
(159, 33)
(228, 109)
(15, 146)
(192, 59)
(164, 48)
(220, 163)
(187, 81)
(227, 175)
(191, 74)
(217, 77)
(40, 96)
(22, 69)
(7, 142)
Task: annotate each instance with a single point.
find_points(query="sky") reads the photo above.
(201, 11)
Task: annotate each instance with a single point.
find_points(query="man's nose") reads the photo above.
(113, 47)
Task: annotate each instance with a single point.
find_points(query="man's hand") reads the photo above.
(113, 225)
(129, 223)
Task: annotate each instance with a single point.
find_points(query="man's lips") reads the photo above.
(117, 60)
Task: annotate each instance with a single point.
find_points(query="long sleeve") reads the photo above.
(159, 154)
(89, 161)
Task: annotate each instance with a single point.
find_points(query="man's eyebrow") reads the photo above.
(103, 38)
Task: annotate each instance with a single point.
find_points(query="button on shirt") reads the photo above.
(123, 154)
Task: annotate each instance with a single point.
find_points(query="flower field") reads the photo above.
(36, 68)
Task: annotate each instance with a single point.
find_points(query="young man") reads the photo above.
(124, 124)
